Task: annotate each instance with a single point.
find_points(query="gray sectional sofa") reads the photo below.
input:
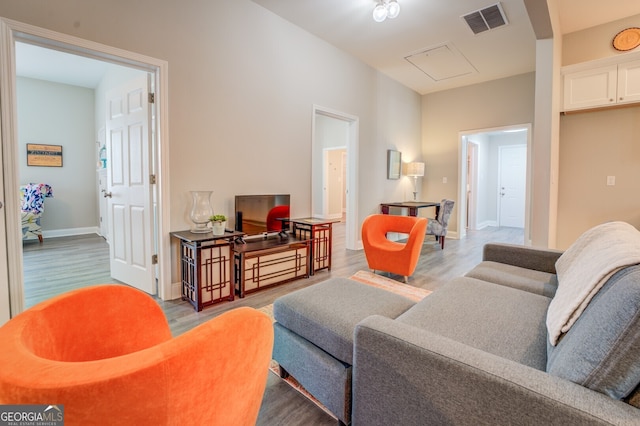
(474, 352)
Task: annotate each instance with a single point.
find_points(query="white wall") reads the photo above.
(59, 114)
(242, 85)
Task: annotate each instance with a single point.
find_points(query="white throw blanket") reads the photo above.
(585, 267)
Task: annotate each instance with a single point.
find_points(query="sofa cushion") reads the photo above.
(327, 313)
(601, 351)
(493, 318)
(537, 282)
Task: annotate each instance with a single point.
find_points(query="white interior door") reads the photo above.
(129, 191)
(513, 166)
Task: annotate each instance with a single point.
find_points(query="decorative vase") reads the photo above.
(218, 227)
(201, 210)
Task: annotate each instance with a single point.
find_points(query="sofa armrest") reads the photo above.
(537, 259)
(406, 375)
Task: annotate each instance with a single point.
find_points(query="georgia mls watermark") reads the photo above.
(31, 415)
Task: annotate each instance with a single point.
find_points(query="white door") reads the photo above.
(129, 192)
(513, 167)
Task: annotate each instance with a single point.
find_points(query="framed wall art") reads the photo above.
(44, 155)
(394, 164)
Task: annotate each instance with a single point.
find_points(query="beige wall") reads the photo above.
(242, 85)
(445, 114)
(594, 145)
(594, 43)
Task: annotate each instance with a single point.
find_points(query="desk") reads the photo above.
(206, 263)
(413, 206)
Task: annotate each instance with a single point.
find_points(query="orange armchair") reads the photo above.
(107, 355)
(385, 255)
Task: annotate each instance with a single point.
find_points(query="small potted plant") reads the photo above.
(218, 223)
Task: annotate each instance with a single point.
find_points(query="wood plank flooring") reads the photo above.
(62, 264)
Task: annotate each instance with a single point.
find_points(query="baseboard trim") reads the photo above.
(486, 224)
(70, 232)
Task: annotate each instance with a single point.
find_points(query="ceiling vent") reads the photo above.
(486, 19)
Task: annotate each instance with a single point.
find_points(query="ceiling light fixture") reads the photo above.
(386, 9)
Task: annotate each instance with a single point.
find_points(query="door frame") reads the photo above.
(472, 185)
(462, 178)
(352, 225)
(12, 31)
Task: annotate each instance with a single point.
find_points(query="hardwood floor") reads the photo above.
(62, 264)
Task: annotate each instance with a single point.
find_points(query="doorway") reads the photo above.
(12, 32)
(62, 99)
(334, 189)
(335, 130)
(480, 186)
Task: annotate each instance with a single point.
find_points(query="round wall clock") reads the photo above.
(627, 39)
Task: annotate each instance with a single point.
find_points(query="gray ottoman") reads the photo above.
(314, 335)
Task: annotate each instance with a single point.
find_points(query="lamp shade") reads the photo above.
(415, 169)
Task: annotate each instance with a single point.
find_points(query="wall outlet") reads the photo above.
(444, 180)
(611, 180)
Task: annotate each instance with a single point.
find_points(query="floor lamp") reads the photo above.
(415, 170)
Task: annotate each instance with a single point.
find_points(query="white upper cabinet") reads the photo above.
(600, 84)
(629, 82)
(591, 88)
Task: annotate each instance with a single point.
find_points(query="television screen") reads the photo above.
(257, 214)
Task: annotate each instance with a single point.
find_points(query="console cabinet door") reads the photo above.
(629, 82)
(591, 88)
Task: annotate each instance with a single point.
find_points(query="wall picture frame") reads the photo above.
(44, 155)
(394, 164)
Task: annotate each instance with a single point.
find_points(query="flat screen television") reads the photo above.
(257, 214)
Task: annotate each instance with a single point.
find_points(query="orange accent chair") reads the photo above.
(106, 354)
(390, 256)
(277, 212)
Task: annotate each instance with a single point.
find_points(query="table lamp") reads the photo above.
(415, 170)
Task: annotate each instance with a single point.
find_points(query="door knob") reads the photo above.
(107, 194)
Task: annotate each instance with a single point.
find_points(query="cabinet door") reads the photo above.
(629, 82)
(589, 89)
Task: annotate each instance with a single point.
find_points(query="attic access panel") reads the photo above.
(442, 62)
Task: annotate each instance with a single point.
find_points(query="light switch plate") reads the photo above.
(611, 180)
